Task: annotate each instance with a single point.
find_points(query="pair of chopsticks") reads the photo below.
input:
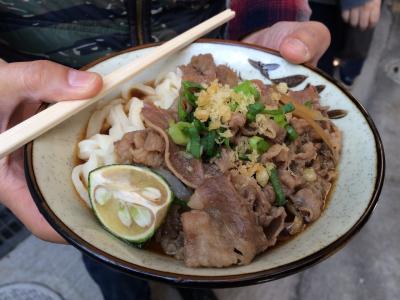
(45, 120)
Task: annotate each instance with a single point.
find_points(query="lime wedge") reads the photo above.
(130, 201)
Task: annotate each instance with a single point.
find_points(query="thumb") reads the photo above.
(46, 81)
(297, 42)
(306, 42)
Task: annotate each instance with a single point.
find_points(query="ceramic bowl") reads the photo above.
(51, 157)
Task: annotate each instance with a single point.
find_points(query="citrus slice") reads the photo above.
(130, 201)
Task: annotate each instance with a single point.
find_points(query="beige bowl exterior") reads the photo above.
(51, 157)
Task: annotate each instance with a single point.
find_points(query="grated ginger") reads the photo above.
(214, 104)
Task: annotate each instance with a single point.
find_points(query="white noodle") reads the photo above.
(167, 89)
(98, 149)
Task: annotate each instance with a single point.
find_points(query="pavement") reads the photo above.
(368, 267)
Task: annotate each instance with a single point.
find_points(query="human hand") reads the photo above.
(297, 42)
(364, 16)
(22, 88)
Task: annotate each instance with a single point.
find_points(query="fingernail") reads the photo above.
(299, 47)
(80, 78)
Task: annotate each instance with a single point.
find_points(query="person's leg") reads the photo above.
(116, 285)
(355, 51)
(330, 16)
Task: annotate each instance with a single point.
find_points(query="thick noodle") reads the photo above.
(122, 115)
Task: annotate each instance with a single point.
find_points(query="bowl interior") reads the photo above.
(53, 159)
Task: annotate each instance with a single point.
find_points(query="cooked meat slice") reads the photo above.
(266, 127)
(265, 92)
(308, 152)
(154, 142)
(237, 121)
(269, 193)
(249, 189)
(201, 69)
(225, 231)
(291, 181)
(276, 152)
(274, 224)
(207, 242)
(170, 234)
(310, 93)
(296, 223)
(249, 130)
(300, 125)
(227, 76)
(188, 169)
(308, 203)
(225, 162)
(211, 170)
(271, 218)
(149, 158)
(143, 147)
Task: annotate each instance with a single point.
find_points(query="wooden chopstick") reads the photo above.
(45, 120)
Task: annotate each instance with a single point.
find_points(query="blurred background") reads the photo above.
(368, 267)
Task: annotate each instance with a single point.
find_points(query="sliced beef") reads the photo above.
(296, 223)
(277, 152)
(308, 203)
(207, 242)
(143, 147)
(237, 121)
(265, 92)
(227, 76)
(220, 230)
(274, 224)
(188, 169)
(271, 218)
(290, 180)
(225, 161)
(300, 125)
(310, 93)
(308, 152)
(201, 69)
(269, 193)
(170, 234)
(257, 200)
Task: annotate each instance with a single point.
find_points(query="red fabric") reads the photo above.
(252, 15)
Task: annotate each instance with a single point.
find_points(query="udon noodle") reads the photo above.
(123, 116)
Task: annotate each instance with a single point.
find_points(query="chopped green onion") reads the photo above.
(308, 104)
(253, 110)
(193, 146)
(280, 120)
(182, 114)
(190, 84)
(176, 132)
(180, 202)
(272, 112)
(233, 106)
(276, 185)
(292, 133)
(209, 144)
(190, 97)
(200, 126)
(247, 88)
(227, 142)
(287, 108)
(258, 144)
(243, 157)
